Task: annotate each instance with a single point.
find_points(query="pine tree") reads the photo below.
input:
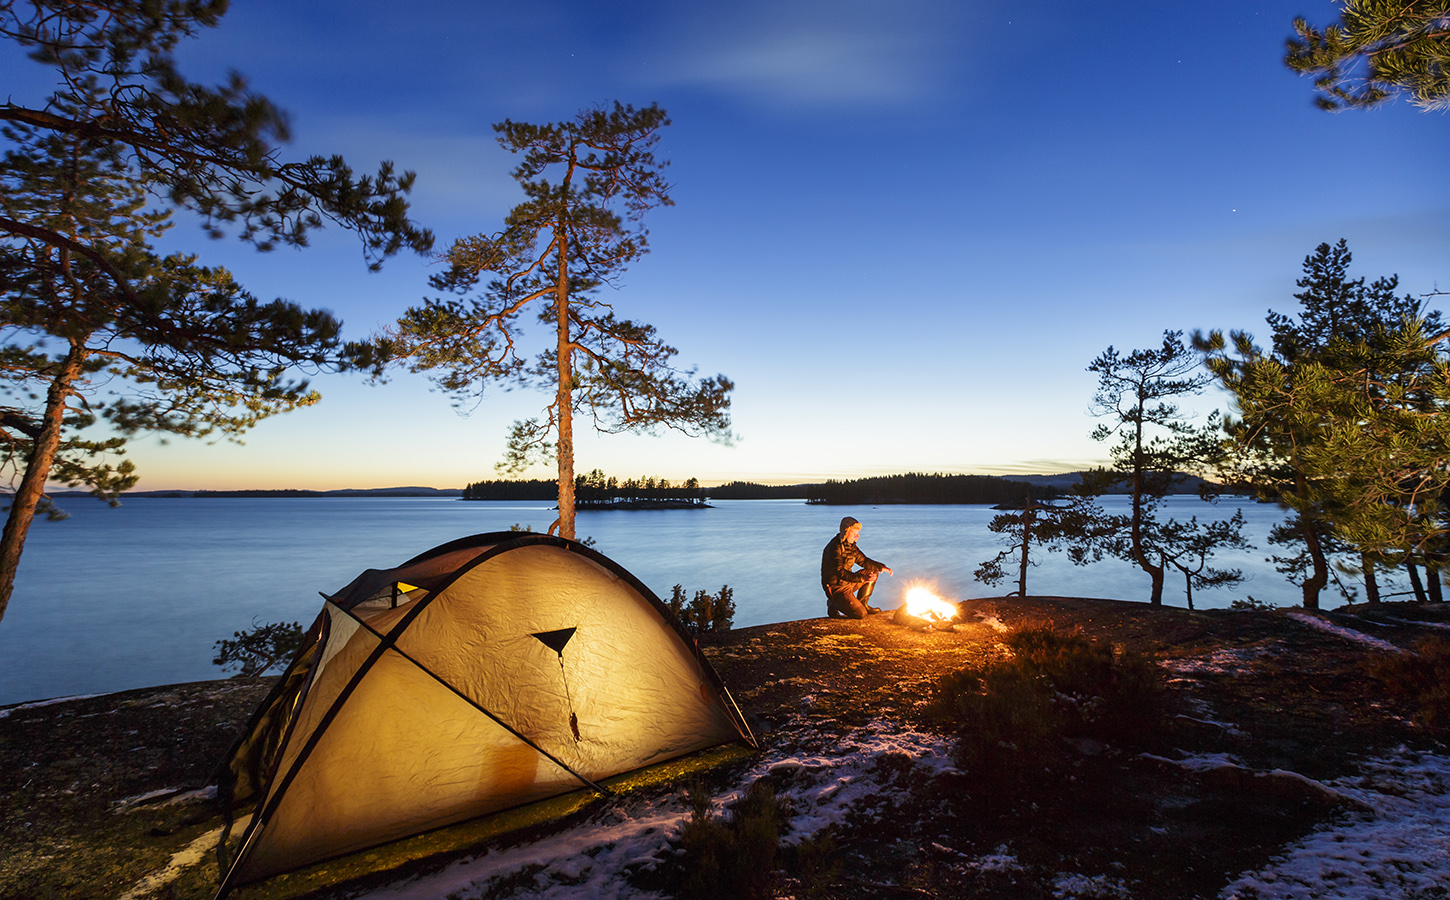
(573, 235)
(1079, 526)
(1341, 420)
(1187, 546)
(180, 349)
(1378, 49)
(210, 149)
(1137, 397)
(99, 329)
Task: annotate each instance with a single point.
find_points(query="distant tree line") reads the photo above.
(749, 490)
(512, 489)
(595, 490)
(915, 487)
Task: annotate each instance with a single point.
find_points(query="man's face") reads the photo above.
(852, 533)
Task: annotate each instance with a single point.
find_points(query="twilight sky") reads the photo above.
(903, 228)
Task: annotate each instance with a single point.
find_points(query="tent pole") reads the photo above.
(749, 735)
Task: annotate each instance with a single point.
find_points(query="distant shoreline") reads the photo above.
(932, 489)
(453, 493)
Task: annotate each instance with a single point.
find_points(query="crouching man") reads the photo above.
(848, 588)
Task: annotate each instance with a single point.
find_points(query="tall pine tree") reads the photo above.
(589, 183)
(99, 329)
(1341, 420)
(1137, 397)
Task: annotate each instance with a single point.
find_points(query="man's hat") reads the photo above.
(847, 523)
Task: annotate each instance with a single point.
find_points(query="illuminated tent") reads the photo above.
(493, 671)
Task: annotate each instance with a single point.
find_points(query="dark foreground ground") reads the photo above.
(99, 795)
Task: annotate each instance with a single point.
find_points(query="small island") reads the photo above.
(597, 490)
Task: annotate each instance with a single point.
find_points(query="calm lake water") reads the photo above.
(112, 599)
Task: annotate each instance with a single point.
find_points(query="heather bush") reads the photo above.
(706, 612)
(731, 858)
(817, 866)
(1422, 678)
(1054, 688)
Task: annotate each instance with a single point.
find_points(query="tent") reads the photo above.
(489, 672)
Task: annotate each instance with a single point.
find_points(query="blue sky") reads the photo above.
(903, 229)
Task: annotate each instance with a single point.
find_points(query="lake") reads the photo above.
(112, 599)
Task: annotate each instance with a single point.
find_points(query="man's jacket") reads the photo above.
(839, 559)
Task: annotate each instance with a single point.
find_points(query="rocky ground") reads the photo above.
(108, 796)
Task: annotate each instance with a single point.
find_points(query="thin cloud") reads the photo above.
(813, 68)
(816, 54)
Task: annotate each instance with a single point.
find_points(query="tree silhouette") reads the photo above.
(1079, 526)
(1376, 50)
(1136, 397)
(1342, 419)
(99, 329)
(588, 184)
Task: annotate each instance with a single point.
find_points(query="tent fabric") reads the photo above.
(518, 667)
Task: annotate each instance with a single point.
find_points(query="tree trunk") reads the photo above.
(1140, 555)
(564, 396)
(1415, 581)
(1432, 585)
(37, 471)
(1026, 541)
(1188, 587)
(1156, 573)
(1371, 586)
(1315, 582)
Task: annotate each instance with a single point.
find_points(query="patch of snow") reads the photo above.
(192, 854)
(5, 713)
(594, 858)
(1399, 850)
(1071, 885)
(1228, 661)
(169, 797)
(1347, 633)
(1399, 621)
(590, 860)
(1196, 762)
(999, 860)
(1227, 727)
(1222, 762)
(993, 622)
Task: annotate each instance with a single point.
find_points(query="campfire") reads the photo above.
(923, 610)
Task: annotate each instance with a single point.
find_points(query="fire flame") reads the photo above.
(922, 603)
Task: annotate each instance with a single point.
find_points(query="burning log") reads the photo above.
(922, 610)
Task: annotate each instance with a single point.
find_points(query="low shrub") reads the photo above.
(731, 858)
(706, 612)
(1422, 679)
(259, 648)
(1055, 687)
(817, 866)
(1251, 603)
